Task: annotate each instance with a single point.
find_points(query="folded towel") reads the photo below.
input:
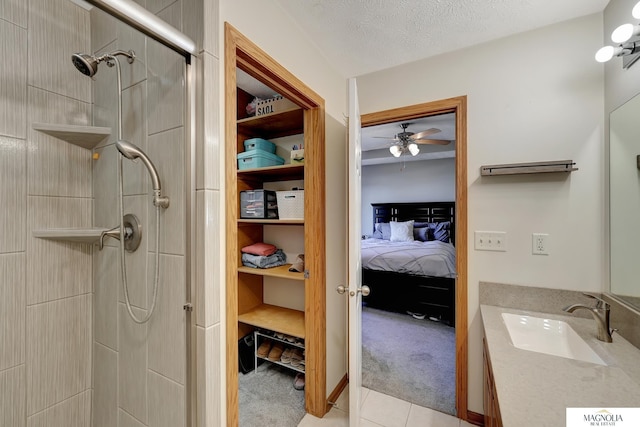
(260, 248)
(259, 261)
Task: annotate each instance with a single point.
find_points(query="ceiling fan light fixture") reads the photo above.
(635, 12)
(413, 148)
(395, 150)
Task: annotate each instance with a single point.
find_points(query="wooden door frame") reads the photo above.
(457, 105)
(240, 52)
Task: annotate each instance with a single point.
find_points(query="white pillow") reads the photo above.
(401, 231)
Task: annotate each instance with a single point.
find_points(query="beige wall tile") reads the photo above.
(137, 263)
(55, 167)
(58, 351)
(167, 350)
(132, 364)
(106, 285)
(57, 269)
(13, 194)
(207, 258)
(131, 39)
(167, 151)
(208, 144)
(106, 212)
(57, 29)
(105, 387)
(12, 397)
(13, 86)
(73, 412)
(209, 353)
(14, 11)
(126, 420)
(12, 310)
(193, 20)
(166, 402)
(211, 27)
(170, 12)
(166, 90)
(134, 129)
(105, 97)
(103, 29)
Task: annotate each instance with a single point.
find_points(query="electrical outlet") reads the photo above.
(540, 243)
(491, 241)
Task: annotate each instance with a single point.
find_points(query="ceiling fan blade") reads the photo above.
(421, 135)
(432, 141)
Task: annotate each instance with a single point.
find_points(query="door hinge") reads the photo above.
(306, 274)
(187, 307)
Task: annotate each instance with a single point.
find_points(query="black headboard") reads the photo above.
(418, 211)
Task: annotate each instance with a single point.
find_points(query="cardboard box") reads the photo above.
(273, 105)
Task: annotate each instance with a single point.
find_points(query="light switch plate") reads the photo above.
(491, 241)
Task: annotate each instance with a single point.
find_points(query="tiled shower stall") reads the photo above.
(70, 355)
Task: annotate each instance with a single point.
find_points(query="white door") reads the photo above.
(354, 290)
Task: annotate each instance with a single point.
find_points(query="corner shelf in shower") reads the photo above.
(82, 136)
(73, 235)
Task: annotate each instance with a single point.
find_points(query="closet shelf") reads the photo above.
(275, 318)
(82, 136)
(529, 168)
(73, 235)
(272, 173)
(274, 125)
(272, 221)
(282, 272)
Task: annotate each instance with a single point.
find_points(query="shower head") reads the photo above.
(88, 64)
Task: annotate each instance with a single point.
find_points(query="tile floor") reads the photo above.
(381, 410)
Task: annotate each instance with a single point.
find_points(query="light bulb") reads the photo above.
(395, 150)
(622, 33)
(636, 11)
(605, 53)
(413, 149)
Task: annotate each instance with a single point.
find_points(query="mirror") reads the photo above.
(624, 201)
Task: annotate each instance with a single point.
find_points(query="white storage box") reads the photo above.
(290, 204)
(273, 105)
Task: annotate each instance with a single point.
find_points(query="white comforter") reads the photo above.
(433, 258)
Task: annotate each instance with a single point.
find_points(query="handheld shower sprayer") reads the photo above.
(133, 152)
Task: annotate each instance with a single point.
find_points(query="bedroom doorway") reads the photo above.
(456, 107)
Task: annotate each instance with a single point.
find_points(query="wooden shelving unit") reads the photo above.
(247, 287)
(82, 136)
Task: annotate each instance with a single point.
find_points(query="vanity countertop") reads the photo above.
(534, 389)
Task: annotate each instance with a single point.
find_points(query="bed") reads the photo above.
(415, 276)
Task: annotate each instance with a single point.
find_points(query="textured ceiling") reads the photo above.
(363, 36)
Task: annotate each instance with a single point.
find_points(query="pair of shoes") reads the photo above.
(276, 352)
(297, 358)
(286, 355)
(298, 382)
(285, 337)
(263, 350)
(418, 316)
(298, 264)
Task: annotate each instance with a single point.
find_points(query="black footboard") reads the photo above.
(431, 296)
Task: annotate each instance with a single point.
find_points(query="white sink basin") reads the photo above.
(548, 336)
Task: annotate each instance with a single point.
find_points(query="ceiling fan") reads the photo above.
(407, 142)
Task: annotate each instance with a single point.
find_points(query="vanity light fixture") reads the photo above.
(628, 43)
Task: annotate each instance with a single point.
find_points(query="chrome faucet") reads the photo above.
(600, 313)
